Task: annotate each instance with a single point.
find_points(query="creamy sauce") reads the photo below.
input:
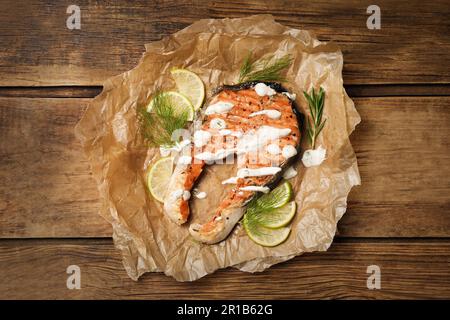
(232, 180)
(253, 141)
(219, 107)
(217, 123)
(185, 160)
(289, 173)
(200, 195)
(290, 96)
(177, 194)
(237, 134)
(219, 154)
(201, 138)
(313, 157)
(255, 188)
(273, 149)
(289, 151)
(225, 132)
(262, 90)
(178, 147)
(258, 172)
(271, 113)
(186, 195)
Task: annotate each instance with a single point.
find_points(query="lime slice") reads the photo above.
(189, 84)
(265, 236)
(179, 101)
(276, 198)
(158, 177)
(277, 218)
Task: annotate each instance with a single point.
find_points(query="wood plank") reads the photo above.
(403, 154)
(411, 47)
(409, 270)
(365, 90)
(48, 190)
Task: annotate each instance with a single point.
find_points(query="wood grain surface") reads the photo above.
(49, 190)
(399, 219)
(38, 49)
(409, 270)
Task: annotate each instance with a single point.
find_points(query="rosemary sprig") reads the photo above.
(158, 125)
(315, 125)
(263, 70)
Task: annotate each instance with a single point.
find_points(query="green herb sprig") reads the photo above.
(158, 125)
(264, 70)
(315, 125)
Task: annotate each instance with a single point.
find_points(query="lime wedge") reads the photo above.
(190, 85)
(179, 101)
(276, 198)
(158, 177)
(265, 236)
(277, 218)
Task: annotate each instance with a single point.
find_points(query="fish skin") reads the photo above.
(232, 207)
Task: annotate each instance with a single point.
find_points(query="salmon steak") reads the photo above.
(255, 124)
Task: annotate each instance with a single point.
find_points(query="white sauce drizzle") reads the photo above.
(185, 160)
(237, 134)
(232, 180)
(262, 90)
(289, 173)
(253, 141)
(177, 194)
(201, 138)
(264, 171)
(273, 149)
(225, 132)
(219, 107)
(219, 154)
(271, 113)
(315, 157)
(291, 96)
(198, 194)
(217, 123)
(255, 188)
(178, 147)
(201, 195)
(186, 195)
(289, 151)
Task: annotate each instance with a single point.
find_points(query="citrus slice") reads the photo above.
(277, 218)
(158, 177)
(265, 236)
(179, 101)
(276, 198)
(189, 84)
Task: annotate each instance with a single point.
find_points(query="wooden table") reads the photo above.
(399, 219)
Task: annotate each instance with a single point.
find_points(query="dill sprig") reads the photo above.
(158, 125)
(315, 125)
(264, 70)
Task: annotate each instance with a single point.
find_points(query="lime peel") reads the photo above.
(158, 177)
(266, 218)
(179, 101)
(189, 84)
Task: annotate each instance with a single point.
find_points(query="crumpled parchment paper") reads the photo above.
(215, 49)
